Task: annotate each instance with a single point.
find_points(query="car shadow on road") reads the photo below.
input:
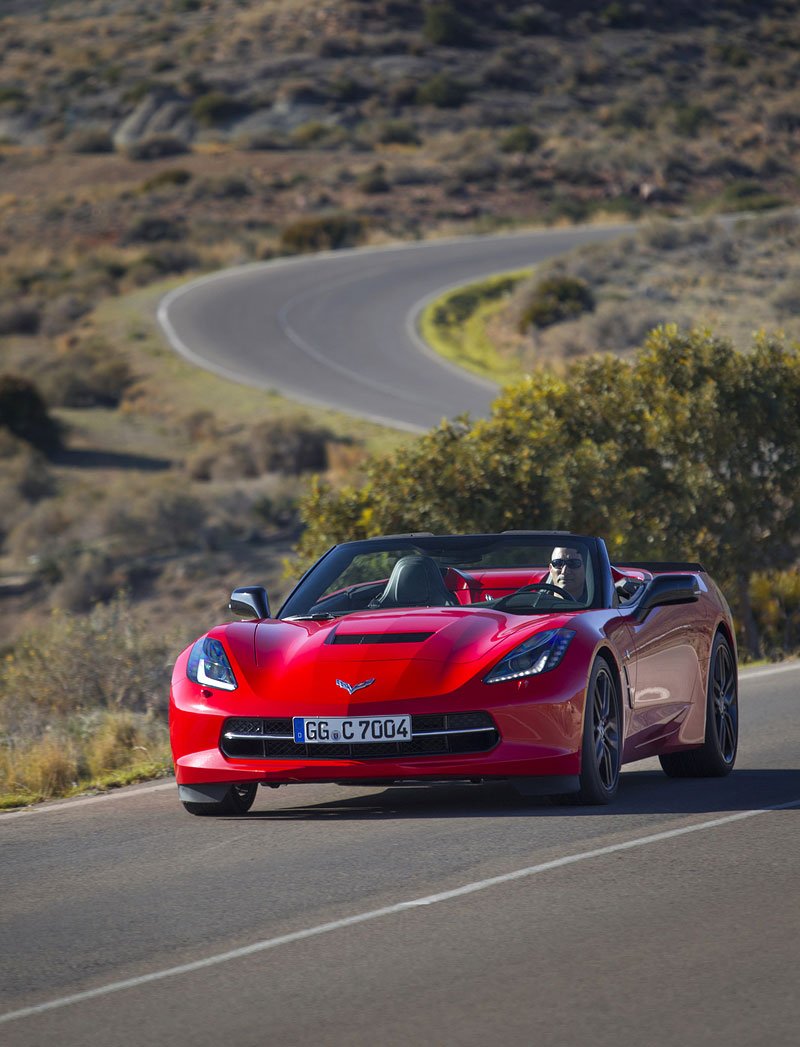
(641, 792)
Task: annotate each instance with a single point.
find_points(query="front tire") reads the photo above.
(237, 801)
(716, 756)
(601, 750)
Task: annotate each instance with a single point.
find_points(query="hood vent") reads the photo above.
(365, 638)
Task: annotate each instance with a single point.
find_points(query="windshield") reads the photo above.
(520, 573)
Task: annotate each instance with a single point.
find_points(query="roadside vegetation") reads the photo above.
(690, 448)
(142, 145)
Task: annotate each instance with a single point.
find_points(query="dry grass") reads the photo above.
(81, 699)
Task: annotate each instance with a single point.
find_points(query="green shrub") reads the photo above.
(746, 195)
(90, 374)
(20, 317)
(398, 132)
(325, 233)
(151, 229)
(619, 15)
(691, 119)
(374, 180)
(444, 26)
(153, 147)
(12, 97)
(554, 299)
(166, 179)
(443, 91)
(90, 140)
(786, 298)
(520, 139)
(535, 20)
(216, 109)
(24, 414)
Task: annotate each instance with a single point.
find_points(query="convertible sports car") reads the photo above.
(523, 656)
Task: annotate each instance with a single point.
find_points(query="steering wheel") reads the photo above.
(539, 586)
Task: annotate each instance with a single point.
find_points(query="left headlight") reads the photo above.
(208, 665)
(538, 654)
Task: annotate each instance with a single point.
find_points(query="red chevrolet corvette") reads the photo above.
(524, 656)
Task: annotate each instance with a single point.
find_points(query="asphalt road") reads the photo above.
(339, 329)
(441, 915)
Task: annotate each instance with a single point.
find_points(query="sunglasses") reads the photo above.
(571, 561)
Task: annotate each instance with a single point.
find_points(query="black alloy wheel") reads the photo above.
(601, 753)
(716, 756)
(237, 801)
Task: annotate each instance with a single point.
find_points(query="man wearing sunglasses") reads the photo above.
(568, 571)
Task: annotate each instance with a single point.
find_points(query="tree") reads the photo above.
(24, 413)
(690, 451)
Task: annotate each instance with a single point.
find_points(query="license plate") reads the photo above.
(316, 730)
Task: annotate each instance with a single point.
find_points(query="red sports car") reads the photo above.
(524, 656)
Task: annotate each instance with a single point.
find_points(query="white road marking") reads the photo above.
(388, 910)
(82, 801)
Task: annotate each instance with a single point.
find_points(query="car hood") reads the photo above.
(402, 653)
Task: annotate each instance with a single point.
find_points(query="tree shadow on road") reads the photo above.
(641, 793)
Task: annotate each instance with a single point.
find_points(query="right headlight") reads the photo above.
(537, 654)
(208, 665)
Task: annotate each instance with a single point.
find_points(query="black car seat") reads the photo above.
(415, 581)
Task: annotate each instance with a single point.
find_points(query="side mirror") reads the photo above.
(666, 589)
(251, 601)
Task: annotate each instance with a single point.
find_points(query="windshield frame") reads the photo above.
(332, 564)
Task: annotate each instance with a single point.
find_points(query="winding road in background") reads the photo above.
(339, 330)
(443, 915)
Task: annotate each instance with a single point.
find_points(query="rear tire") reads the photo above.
(601, 750)
(237, 801)
(716, 756)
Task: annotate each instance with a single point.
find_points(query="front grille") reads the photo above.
(432, 734)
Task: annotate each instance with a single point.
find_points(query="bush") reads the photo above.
(22, 317)
(691, 119)
(535, 20)
(443, 91)
(107, 659)
(23, 413)
(398, 132)
(152, 228)
(90, 140)
(166, 179)
(216, 109)
(374, 180)
(623, 15)
(60, 313)
(745, 195)
(156, 146)
(520, 139)
(445, 27)
(326, 233)
(287, 448)
(554, 299)
(786, 299)
(290, 448)
(91, 374)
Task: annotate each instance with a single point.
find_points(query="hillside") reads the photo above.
(142, 144)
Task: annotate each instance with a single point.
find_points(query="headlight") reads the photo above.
(208, 664)
(538, 654)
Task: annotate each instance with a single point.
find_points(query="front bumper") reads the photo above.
(538, 723)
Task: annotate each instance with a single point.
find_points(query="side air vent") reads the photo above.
(365, 638)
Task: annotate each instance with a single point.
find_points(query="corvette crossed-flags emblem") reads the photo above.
(351, 688)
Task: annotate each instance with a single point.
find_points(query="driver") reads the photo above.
(568, 571)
